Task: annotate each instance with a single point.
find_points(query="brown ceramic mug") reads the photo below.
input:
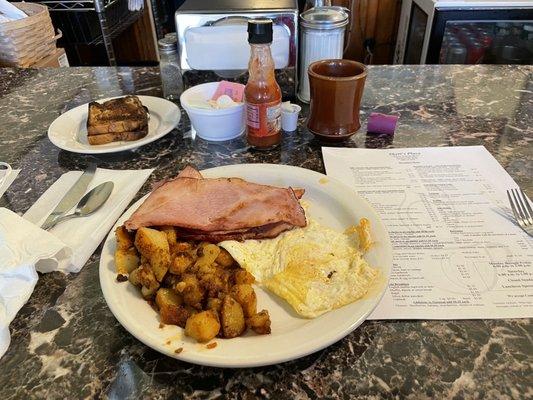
(336, 91)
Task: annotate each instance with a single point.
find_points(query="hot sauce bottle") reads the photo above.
(262, 94)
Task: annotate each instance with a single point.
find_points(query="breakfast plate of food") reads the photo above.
(245, 265)
(114, 124)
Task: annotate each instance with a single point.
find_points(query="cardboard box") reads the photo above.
(57, 59)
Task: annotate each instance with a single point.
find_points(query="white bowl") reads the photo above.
(212, 124)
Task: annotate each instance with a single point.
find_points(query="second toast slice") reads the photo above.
(116, 137)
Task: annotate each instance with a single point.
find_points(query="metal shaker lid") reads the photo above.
(168, 44)
(324, 17)
(172, 36)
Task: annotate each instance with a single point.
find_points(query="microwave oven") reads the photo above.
(465, 32)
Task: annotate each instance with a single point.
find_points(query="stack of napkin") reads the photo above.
(25, 248)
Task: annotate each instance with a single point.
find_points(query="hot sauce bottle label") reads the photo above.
(263, 119)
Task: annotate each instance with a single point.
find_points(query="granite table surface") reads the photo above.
(67, 344)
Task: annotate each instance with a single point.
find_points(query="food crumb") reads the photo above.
(121, 278)
(323, 181)
(179, 350)
(167, 342)
(211, 345)
(161, 325)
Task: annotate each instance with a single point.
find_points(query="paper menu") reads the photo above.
(457, 252)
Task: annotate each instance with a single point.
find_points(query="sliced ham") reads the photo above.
(299, 193)
(219, 209)
(190, 172)
(262, 232)
(187, 172)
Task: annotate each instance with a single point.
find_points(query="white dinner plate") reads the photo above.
(333, 204)
(69, 130)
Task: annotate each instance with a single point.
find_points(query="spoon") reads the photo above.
(89, 203)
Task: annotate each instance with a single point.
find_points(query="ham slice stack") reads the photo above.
(220, 209)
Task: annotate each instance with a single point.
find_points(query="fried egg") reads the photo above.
(315, 269)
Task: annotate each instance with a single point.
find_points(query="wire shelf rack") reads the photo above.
(70, 5)
(92, 22)
(118, 28)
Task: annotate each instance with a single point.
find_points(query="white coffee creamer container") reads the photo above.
(322, 37)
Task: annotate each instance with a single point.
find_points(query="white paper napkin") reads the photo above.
(22, 244)
(85, 234)
(25, 248)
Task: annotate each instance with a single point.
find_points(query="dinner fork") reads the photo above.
(521, 209)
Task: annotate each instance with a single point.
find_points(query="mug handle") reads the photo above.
(8, 170)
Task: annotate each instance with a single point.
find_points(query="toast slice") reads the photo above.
(128, 125)
(104, 138)
(125, 114)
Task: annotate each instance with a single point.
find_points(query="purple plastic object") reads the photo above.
(382, 123)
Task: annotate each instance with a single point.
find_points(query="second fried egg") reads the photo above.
(315, 269)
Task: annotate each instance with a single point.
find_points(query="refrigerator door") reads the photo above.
(487, 42)
(481, 36)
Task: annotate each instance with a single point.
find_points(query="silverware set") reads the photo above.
(85, 204)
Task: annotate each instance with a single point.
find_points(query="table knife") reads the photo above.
(71, 198)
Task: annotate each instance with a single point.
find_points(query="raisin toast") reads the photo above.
(124, 118)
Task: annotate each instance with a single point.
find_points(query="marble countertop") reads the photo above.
(67, 344)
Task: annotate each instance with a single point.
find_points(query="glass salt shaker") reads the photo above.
(170, 68)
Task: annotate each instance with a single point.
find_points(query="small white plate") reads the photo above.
(333, 204)
(69, 130)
